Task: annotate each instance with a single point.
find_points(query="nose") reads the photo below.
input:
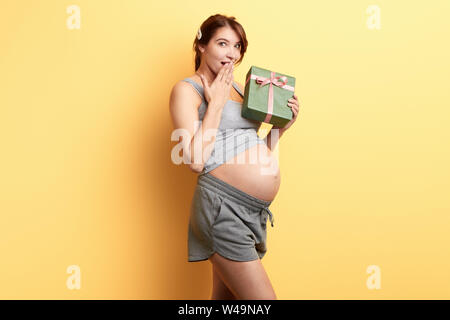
(232, 58)
(233, 55)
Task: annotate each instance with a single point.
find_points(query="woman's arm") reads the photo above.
(275, 134)
(273, 137)
(199, 142)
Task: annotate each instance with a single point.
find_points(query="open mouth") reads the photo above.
(225, 63)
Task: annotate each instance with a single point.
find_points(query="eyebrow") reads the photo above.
(227, 40)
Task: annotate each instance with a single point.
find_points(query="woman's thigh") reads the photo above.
(220, 290)
(247, 280)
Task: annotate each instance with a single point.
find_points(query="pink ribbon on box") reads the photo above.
(262, 81)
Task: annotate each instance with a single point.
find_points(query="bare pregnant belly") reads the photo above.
(259, 178)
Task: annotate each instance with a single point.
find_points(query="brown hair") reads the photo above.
(208, 29)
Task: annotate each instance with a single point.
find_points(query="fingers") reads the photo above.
(223, 73)
(295, 109)
(204, 81)
(294, 101)
(220, 74)
(293, 104)
(230, 74)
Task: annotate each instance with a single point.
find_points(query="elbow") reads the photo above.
(197, 168)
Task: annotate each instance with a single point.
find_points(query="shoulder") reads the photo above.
(185, 90)
(195, 78)
(180, 88)
(183, 86)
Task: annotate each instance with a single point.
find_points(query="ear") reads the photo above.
(201, 48)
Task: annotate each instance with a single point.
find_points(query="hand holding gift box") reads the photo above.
(295, 106)
(267, 97)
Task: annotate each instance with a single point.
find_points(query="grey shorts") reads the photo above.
(226, 220)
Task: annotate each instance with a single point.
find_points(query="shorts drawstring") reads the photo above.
(270, 215)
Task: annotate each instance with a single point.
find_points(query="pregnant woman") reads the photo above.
(230, 205)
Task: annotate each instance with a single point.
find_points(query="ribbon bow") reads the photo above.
(262, 81)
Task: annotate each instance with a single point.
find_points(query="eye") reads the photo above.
(239, 45)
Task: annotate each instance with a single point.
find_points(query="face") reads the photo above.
(224, 46)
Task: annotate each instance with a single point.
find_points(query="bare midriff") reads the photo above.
(259, 177)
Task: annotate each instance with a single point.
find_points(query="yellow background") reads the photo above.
(86, 177)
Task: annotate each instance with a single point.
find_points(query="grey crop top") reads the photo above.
(235, 133)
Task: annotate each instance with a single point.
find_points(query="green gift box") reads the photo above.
(266, 96)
